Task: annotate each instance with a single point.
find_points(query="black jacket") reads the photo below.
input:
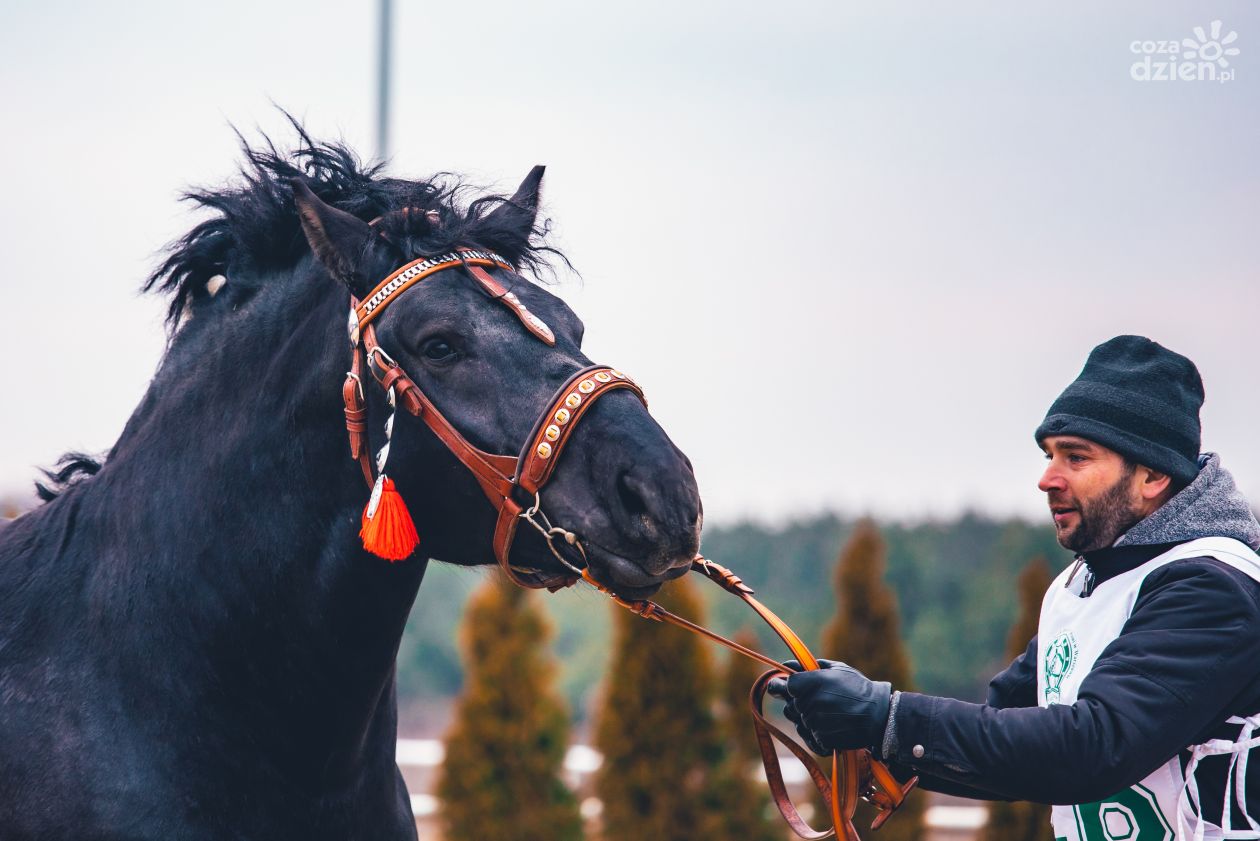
(1187, 659)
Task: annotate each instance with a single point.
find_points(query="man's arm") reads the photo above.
(1014, 686)
(1191, 644)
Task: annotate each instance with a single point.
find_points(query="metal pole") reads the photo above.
(382, 82)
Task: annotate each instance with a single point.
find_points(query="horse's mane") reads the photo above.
(71, 468)
(255, 231)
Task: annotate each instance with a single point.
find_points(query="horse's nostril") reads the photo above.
(631, 496)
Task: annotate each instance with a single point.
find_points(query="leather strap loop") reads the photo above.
(356, 415)
(504, 534)
(767, 735)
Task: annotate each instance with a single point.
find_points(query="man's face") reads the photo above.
(1094, 495)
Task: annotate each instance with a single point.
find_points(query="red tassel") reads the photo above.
(388, 531)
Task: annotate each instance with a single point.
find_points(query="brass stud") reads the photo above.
(604, 377)
(544, 450)
(586, 386)
(619, 375)
(562, 417)
(573, 400)
(552, 432)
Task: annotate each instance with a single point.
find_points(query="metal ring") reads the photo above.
(549, 532)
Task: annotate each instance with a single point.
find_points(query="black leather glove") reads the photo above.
(834, 707)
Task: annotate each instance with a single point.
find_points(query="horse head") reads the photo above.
(621, 488)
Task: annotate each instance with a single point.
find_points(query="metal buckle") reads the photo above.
(380, 351)
(351, 375)
(380, 366)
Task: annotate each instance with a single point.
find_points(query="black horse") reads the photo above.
(193, 643)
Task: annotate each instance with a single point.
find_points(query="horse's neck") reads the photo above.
(237, 513)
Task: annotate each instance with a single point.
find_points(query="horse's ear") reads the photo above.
(338, 239)
(517, 216)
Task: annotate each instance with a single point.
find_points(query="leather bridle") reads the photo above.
(513, 485)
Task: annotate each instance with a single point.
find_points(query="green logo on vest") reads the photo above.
(1131, 815)
(1060, 660)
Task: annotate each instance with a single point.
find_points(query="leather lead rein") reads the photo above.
(854, 774)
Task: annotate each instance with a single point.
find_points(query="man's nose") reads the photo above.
(1052, 479)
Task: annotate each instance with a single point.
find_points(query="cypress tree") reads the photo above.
(865, 633)
(506, 746)
(656, 728)
(1022, 821)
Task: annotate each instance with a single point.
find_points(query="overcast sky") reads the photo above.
(852, 251)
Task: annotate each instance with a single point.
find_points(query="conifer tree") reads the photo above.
(1022, 821)
(505, 749)
(656, 728)
(865, 633)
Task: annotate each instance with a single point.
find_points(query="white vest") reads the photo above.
(1071, 635)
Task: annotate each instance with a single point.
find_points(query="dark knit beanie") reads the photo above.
(1138, 398)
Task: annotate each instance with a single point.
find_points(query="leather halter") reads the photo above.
(503, 479)
(854, 774)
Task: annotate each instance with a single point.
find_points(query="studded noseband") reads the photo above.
(513, 484)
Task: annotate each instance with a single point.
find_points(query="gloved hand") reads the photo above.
(834, 707)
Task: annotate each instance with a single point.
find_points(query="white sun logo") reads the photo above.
(1210, 49)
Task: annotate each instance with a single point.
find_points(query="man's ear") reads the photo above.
(516, 217)
(1154, 484)
(339, 239)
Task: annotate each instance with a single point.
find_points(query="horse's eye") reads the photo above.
(437, 350)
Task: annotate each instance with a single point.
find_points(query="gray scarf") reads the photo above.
(1210, 506)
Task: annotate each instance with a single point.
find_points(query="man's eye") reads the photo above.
(437, 350)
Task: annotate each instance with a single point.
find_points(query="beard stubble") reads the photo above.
(1104, 518)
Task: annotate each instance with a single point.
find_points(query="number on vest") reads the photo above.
(1131, 815)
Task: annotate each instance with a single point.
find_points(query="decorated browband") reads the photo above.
(475, 260)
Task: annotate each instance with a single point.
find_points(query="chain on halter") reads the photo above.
(389, 531)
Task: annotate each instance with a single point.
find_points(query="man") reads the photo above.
(1136, 704)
